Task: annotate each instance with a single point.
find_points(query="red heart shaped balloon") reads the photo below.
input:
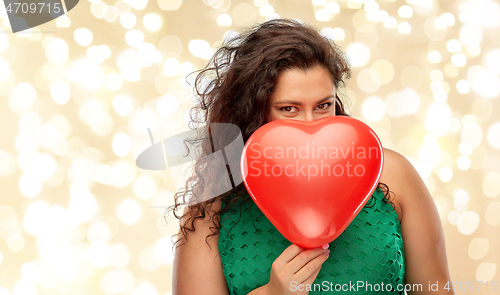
(312, 178)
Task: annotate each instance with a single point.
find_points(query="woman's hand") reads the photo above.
(294, 269)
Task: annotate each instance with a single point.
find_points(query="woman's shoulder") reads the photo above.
(202, 225)
(399, 175)
(393, 160)
(196, 258)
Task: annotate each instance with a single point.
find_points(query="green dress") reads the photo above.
(367, 258)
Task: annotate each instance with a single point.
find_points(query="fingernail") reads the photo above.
(326, 252)
(325, 246)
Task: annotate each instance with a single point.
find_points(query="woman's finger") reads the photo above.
(304, 258)
(313, 265)
(310, 280)
(288, 254)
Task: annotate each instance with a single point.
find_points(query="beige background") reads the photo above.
(78, 217)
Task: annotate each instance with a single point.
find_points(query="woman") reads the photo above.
(283, 69)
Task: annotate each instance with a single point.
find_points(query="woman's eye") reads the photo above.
(325, 106)
(292, 109)
(287, 109)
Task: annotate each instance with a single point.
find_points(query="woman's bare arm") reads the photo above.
(423, 237)
(197, 268)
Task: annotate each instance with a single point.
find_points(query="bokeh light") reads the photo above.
(490, 184)
(358, 54)
(369, 80)
(486, 271)
(169, 5)
(200, 48)
(86, 74)
(373, 108)
(152, 22)
(123, 105)
(478, 248)
(121, 144)
(114, 81)
(57, 50)
(404, 28)
(128, 20)
(4, 69)
(23, 97)
(494, 135)
(434, 56)
(129, 211)
(445, 174)
(491, 215)
(224, 20)
(332, 7)
(60, 92)
(83, 36)
(134, 38)
(110, 13)
(385, 69)
(468, 222)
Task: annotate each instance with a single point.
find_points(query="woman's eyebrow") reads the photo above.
(300, 103)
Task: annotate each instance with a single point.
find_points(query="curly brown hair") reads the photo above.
(235, 88)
